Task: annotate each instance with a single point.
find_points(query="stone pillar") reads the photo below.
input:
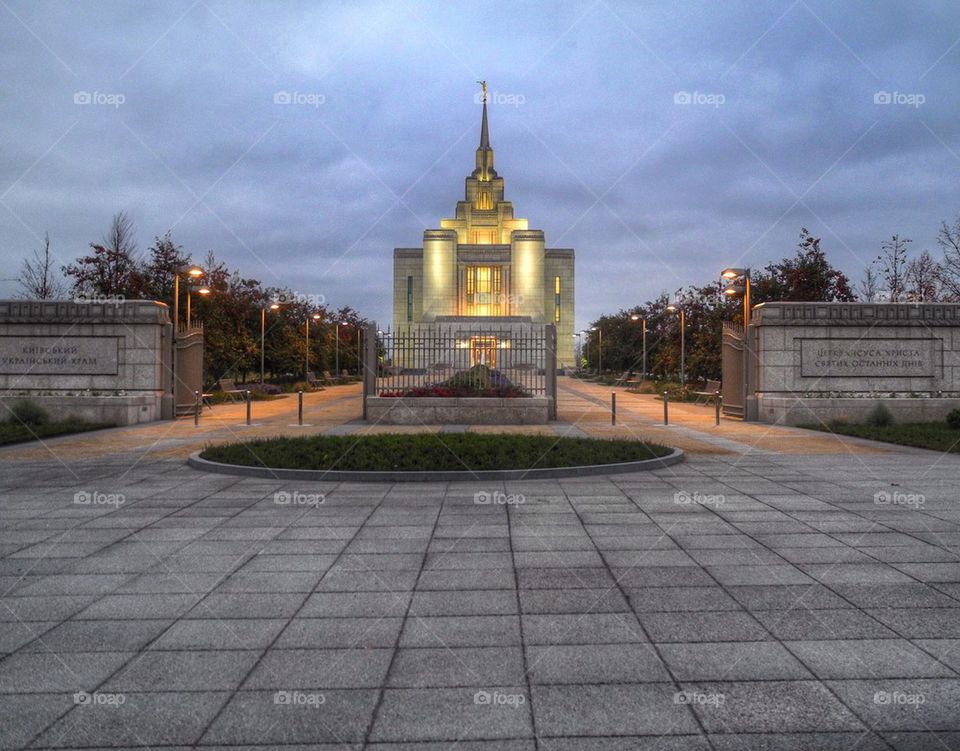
(370, 364)
(439, 273)
(527, 258)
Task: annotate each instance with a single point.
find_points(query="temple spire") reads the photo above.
(484, 131)
(484, 166)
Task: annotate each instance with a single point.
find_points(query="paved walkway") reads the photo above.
(584, 410)
(778, 590)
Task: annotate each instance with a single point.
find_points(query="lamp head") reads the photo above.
(733, 273)
(317, 316)
(733, 290)
(203, 290)
(195, 271)
(672, 307)
(274, 306)
(634, 317)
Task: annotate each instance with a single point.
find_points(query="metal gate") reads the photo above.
(734, 378)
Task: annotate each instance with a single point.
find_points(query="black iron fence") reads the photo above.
(435, 355)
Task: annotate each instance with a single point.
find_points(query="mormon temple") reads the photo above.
(486, 269)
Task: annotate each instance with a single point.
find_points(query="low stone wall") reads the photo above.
(111, 410)
(386, 410)
(821, 410)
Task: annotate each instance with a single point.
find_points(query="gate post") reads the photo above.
(550, 367)
(370, 342)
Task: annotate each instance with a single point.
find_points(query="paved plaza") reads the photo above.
(780, 589)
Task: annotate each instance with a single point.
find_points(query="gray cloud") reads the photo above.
(293, 193)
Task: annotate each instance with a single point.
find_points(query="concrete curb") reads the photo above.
(316, 475)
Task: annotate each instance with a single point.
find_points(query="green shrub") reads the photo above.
(25, 412)
(879, 416)
(953, 419)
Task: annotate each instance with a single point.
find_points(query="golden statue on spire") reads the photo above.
(483, 85)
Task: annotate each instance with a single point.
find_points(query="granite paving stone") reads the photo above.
(601, 614)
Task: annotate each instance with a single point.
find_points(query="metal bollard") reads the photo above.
(613, 408)
(300, 407)
(666, 415)
(196, 407)
(716, 403)
(248, 406)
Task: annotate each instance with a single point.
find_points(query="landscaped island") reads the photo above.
(462, 452)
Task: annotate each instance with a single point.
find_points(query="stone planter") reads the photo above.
(387, 410)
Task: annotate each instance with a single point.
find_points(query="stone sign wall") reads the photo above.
(104, 362)
(822, 361)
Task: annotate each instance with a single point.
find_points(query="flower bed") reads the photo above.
(479, 381)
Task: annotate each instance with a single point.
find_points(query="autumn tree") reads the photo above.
(893, 266)
(112, 268)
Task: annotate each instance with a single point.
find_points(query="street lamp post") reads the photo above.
(599, 349)
(263, 335)
(643, 323)
(732, 275)
(336, 349)
(202, 289)
(306, 357)
(673, 308)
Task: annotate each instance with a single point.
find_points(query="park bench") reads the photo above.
(229, 387)
(709, 392)
(624, 377)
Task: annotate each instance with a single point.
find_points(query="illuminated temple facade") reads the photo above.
(486, 269)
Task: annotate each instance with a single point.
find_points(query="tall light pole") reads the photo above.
(734, 276)
(673, 308)
(599, 349)
(643, 324)
(263, 334)
(201, 289)
(306, 357)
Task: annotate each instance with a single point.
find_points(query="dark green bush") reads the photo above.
(953, 419)
(879, 417)
(25, 412)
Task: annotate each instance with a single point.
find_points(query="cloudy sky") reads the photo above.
(662, 140)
